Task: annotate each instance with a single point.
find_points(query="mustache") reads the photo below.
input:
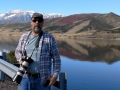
(37, 26)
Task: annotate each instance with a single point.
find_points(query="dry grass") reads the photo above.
(88, 34)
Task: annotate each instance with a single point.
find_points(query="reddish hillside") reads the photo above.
(73, 18)
(71, 55)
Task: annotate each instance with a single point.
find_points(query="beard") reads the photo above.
(37, 29)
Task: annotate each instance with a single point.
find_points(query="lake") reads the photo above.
(90, 64)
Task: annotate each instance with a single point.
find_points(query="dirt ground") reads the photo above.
(8, 85)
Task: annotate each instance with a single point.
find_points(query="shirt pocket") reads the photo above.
(45, 49)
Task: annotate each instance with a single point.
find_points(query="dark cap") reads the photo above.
(39, 15)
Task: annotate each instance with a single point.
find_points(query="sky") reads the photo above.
(65, 7)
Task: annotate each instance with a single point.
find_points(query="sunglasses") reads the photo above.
(39, 20)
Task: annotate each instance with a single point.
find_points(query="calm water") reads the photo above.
(89, 64)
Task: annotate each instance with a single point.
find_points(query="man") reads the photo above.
(42, 48)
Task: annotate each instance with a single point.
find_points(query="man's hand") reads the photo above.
(20, 63)
(52, 80)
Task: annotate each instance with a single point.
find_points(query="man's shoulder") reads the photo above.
(26, 33)
(47, 34)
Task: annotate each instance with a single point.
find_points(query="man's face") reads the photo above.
(37, 24)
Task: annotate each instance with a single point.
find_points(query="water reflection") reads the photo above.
(83, 49)
(91, 50)
(8, 43)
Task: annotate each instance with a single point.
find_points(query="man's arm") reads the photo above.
(56, 61)
(56, 58)
(18, 50)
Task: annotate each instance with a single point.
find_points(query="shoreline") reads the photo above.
(115, 36)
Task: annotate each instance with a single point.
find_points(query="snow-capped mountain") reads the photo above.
(19, 16)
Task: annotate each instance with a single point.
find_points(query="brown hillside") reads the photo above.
(103, 25)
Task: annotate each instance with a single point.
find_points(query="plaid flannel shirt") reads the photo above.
(49, 54)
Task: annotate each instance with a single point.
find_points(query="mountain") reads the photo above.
(84, 22)
(19, 16)
(90, 25)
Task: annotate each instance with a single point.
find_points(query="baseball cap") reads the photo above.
(39, 15)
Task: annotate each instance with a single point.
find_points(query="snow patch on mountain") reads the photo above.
(19, 16)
